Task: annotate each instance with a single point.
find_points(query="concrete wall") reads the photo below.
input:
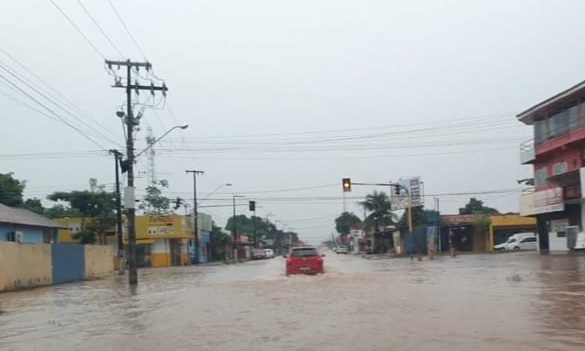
(29, 265)
(24, 265)
(98, 261)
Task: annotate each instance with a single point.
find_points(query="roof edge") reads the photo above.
(555, 98)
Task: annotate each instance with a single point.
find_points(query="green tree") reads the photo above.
(155, 203)
(345, 222)
(35, 206)
(419, 217)
(96, 206)
(11, 190)
(219, 241)
(378, 204)
(264, 228)
(476, 206)
(61, 211)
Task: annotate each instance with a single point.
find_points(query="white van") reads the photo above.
(519, 241)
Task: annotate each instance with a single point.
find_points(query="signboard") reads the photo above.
(400, 201)
(545, 201)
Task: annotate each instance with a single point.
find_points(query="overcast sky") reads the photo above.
(292, 95)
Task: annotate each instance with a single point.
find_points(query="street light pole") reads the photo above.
(195, 217)
(151, 144)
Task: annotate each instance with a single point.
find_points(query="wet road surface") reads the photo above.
(518, 301)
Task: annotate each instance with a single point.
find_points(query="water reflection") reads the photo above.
(465, 303)
(563, 297)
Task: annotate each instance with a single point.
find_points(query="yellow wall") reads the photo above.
(99, 261)
(158, 227)
(508, 221)
(24, 265)
(512, 221)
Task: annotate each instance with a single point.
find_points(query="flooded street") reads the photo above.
(506, 302)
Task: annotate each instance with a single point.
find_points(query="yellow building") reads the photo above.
(479, 233)
(162, 241)
(503, 226)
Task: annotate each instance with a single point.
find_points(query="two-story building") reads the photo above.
(557, 156)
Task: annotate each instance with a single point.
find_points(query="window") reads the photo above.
(304, 252)
(529, 240)
(560, 168)
(539, 131)
(572, 117)
(540, 177)
(561, 234)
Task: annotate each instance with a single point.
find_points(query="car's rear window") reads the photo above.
(305, 252)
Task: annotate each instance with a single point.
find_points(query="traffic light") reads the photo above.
(346, 183)
(252, 205)
(397, 190)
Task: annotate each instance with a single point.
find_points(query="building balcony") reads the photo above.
(572, 137)
(527, 151)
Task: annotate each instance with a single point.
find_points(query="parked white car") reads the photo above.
(519, 242)
(269, 253)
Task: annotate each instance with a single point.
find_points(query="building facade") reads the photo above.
(556, 154)
(20, 225)
(162, 240)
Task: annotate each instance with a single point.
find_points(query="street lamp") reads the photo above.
(215, 190)
(184, 126)
(128, 166)
(234, 227)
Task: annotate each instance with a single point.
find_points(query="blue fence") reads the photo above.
(68, 263)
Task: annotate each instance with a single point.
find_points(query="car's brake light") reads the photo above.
(319, 259)
(288, 260)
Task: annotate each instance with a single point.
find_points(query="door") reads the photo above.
(528, 243)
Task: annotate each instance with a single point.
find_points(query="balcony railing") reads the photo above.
(527, 151)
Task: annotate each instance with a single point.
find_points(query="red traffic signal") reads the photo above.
(346, 184)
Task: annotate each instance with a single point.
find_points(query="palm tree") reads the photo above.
(378, 204)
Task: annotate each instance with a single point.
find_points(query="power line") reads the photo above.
(100, 28)
(50, 87)
(78, 30)
(53, 113)
(126, 28)
(49, 99)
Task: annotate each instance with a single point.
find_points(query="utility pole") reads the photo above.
(121, 262)
(131, 122)
(195, 216)
(252, 207)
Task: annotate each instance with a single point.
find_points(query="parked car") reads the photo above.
(517, 242)
(342, 250)
(259, 254)
(304, 260)
(269, 253)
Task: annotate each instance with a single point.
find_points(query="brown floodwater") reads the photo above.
(516, 301)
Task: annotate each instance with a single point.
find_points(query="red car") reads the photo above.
(304, 260)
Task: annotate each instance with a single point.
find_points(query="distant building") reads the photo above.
(20, 225)
(557, 156)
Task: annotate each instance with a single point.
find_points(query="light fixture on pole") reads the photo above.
(183, 126)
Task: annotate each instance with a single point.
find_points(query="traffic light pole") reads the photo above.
(121, 261)
(347, 183)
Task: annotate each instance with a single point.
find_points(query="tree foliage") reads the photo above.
(11, 190)
(264, 229)
(378, 204)
(219, 242)
(476, 206)
(96, 205)
(419, 217)
(155, 203)
(345, 222)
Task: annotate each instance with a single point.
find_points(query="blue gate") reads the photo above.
(68, 262)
